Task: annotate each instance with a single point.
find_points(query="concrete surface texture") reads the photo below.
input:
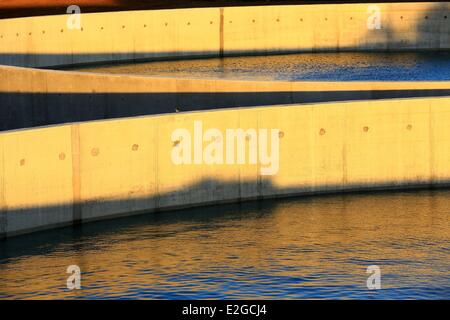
(152, 34)
(95, 170)
(31, 97)
(78, 172)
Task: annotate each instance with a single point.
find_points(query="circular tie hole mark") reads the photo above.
(278, 20)
(253, 20)
(135, 147)
(22, 162)
(280, 134)
(322, 131)
(409, 127)
(211, 22)
(62, 156)
(43, 31)
(366, 129)
(426, 17)
(301, 19)
(123, 27)
(166, 24)
(188, 23)
(445, 17)
(95, 152)
(401, 17)
(145, 26)
(62, 30)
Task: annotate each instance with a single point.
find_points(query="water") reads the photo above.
(345, 66)
(309, 247)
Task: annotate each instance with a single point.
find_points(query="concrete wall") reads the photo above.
(133, 35)
(95, 170)
(30, 97)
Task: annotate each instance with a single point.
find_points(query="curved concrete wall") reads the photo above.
(134, 35)
(87, 171)
(30, 97)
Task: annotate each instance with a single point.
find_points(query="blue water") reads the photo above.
(344, 66)
(309, 247)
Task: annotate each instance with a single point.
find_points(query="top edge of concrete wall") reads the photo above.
(51, 41)
(307, 7)
(203, 113)
(34, 98)
(36, 9)
(31, 80)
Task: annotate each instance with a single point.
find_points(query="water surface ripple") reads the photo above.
(310, 247)
(343, 66)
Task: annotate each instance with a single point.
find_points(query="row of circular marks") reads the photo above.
(94, 152)
(135, 147)
(189, 23)
(322, 131)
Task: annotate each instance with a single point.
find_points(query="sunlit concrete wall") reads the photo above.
(31, 97)
(95, 170)
(133, 35)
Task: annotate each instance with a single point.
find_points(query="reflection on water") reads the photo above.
(344, 66)
(311, 247)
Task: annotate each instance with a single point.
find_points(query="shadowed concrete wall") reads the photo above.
(30, 97)
(95, 170)
(134, 35)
